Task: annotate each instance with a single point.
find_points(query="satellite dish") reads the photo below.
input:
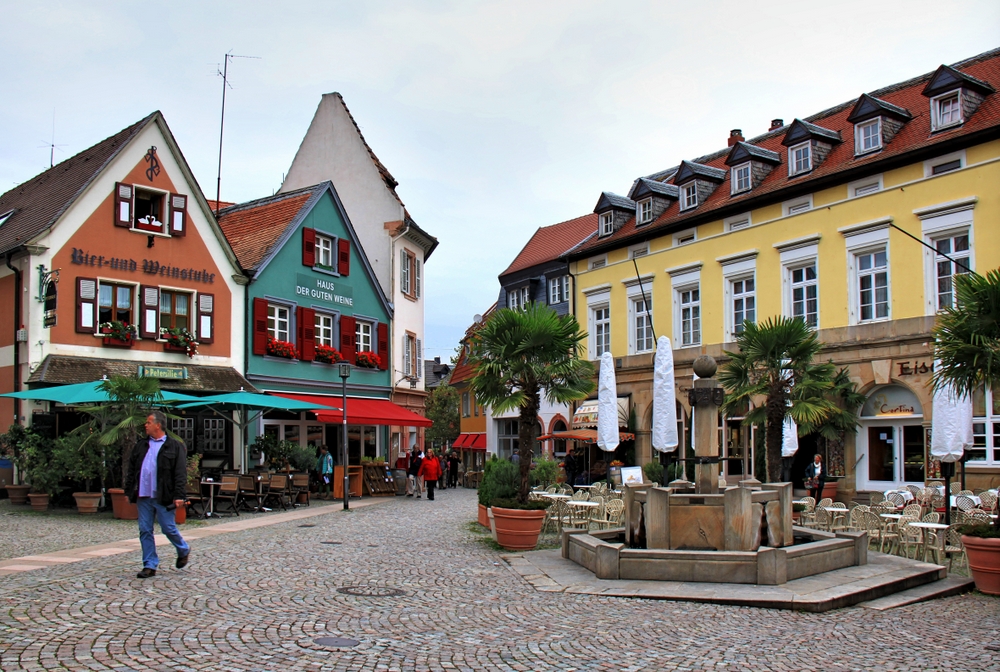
(477, 318)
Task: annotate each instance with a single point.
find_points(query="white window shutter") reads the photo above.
(404, 272)
(407, 363)
(416, 265)
(420, 359)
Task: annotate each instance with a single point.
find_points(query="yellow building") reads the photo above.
(822, 218)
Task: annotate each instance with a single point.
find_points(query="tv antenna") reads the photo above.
(224, 73)
(52, 143)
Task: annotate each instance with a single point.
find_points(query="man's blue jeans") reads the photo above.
(148, 508)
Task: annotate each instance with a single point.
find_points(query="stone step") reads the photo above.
(953, 585)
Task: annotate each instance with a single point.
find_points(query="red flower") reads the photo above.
(369, 360)
(278, 348)
(324, 353)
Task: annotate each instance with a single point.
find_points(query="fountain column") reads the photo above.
(705, 398)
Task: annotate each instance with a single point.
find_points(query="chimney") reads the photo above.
(437, 360)
(776, 124)
(735, 135)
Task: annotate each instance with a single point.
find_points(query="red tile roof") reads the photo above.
(915, 135)
(551, 242)
(254, 228)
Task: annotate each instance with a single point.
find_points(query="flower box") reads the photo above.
(170, 347)
(368, 360)
(179, 340)
(282, 349)
(117, 342)
(327, 355)
(118, 334)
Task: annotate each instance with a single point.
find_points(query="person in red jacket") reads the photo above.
(430, 469)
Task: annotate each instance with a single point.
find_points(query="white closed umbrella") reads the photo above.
(607, 405)
(951, 425)
(664, 437)
(789, 437)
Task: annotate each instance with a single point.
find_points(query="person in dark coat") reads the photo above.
(452, 470)
(815, 477)
(156, 481)
(413, 478)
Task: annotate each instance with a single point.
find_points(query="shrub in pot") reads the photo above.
(44, 471)
(982, 546)
(518, 524)
(544, 472)
(653, 472)
(13, 446)
(82, 458)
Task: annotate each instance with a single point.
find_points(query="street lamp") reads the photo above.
(345, 373)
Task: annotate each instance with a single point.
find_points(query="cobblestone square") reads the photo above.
(427, 593)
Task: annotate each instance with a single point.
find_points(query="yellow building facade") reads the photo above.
(821, 219)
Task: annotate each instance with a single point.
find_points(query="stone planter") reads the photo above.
(86, 502)
(984, 563)
(123, 509)
(518, 530)
(18, 494)
(483, 516)
(39, 501)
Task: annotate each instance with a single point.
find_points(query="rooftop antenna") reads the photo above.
(52, 143)
(222, 124)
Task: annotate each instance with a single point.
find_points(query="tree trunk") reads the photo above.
(526, 440)
(776, 410)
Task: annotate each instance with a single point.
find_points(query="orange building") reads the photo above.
(113, 258)
(472, 415)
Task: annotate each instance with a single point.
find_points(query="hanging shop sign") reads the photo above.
(325, 290)
(164, 372)
(149, 266)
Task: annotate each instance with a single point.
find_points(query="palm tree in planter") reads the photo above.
(83, 459)
(774, 363)
(517, 356)
(843, 418)
(967, 347)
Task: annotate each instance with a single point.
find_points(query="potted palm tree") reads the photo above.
(13, 446)
(82, 458)
(517, 356)
(967, 347)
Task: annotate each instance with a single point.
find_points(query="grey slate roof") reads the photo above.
(39, 202)
(609, 200)
(436, 372)
(743, 150)
(947, 77)
(691, 169)
(798, 130)
(645, 186)
(868, 107)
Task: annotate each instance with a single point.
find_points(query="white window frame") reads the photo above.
(859, 136)
(854, 254)
(598, 297)
(644, 211)
(936, 103)
(986, 433)
(689, 195)
(685, 237)
(792, 285)
(694, 304)
(558, 289)
(864, 186)
(946, 220)
(326, 245)
(793, 160)
(736, 177)
(276, 335)
(795, 254)
(737, 268)
(747, 296)
(931, 164)
(737, 222)
(600, 326)
(637, 314)
(797, 206)
(359, 336)
(607, 223)
(321, 328)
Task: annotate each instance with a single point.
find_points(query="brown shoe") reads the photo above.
(146, 573)
(182, 560)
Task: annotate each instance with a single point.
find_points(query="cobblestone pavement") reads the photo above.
(259, 599)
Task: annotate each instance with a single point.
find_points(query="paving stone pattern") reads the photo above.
(257, 599)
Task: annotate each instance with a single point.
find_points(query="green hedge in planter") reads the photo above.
(512, 503)
(501, 480)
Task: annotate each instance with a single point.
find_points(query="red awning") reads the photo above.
(362, 411)
(470, 442)
(460, 441)
(585, 435)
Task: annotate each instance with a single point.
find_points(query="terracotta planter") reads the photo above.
(86, 502)
(18, 494)
(483, 516)
(829, 490)
(518, 530)
(39, 501)
(117, 343)
(123, 509)
(493, 523)
(984, 563)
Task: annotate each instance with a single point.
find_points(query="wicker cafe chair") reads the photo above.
(876, 498)
(614, 514)
(551, 489)
(913, 510)
(989, 501)
(909, 536)
(878, 529)
(857, 519)
(964, 502)
(229, 491)
(914, 490)
(277, 490)
(826, 501)
(580, 496)
(955, 488)
(953, 545)
(967, 493)
(896, 499)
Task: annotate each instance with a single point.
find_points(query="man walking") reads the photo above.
(453, 470)
(413, 479)
(157, 481)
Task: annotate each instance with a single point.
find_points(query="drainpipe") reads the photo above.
(16, 323)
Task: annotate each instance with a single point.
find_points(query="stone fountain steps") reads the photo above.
(953, 585)
(883, 576)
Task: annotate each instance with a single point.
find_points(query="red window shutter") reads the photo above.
(178, 215)
(149, 311)
(309, 247)
(124, 197)
(306, 332)
(383, 345)
(348, 338)
(260, 326)
(344, 256)
(86, 305)
(206, 320)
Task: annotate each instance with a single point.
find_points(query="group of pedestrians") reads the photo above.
(427, 470)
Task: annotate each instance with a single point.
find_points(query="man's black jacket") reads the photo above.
(171, 471)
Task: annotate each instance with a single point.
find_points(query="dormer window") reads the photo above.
(149, 209)
(644, 211)
(689, 195)
(800, 159)
(740, 178)
(946, 110)
(607, 223)
(868, 136)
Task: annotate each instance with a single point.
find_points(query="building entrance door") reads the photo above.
(895, 455)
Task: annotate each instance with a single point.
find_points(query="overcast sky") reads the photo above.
(495, 117)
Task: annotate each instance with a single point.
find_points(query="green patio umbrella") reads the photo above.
(85, 393)
(244, 403)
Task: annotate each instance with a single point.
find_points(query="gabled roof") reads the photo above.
(38, 203)
(690, 170)
(610, 201)
(645, 186)
(435, 372)
(914, 142)
(869, 107)
(743, 152)
(799, 131)
(259, 229)
(551, 242)
(387, 177)
(463, 371)
(254, 228)
(947, 77)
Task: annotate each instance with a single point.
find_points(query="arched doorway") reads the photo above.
(559, 445)
(891, 440)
